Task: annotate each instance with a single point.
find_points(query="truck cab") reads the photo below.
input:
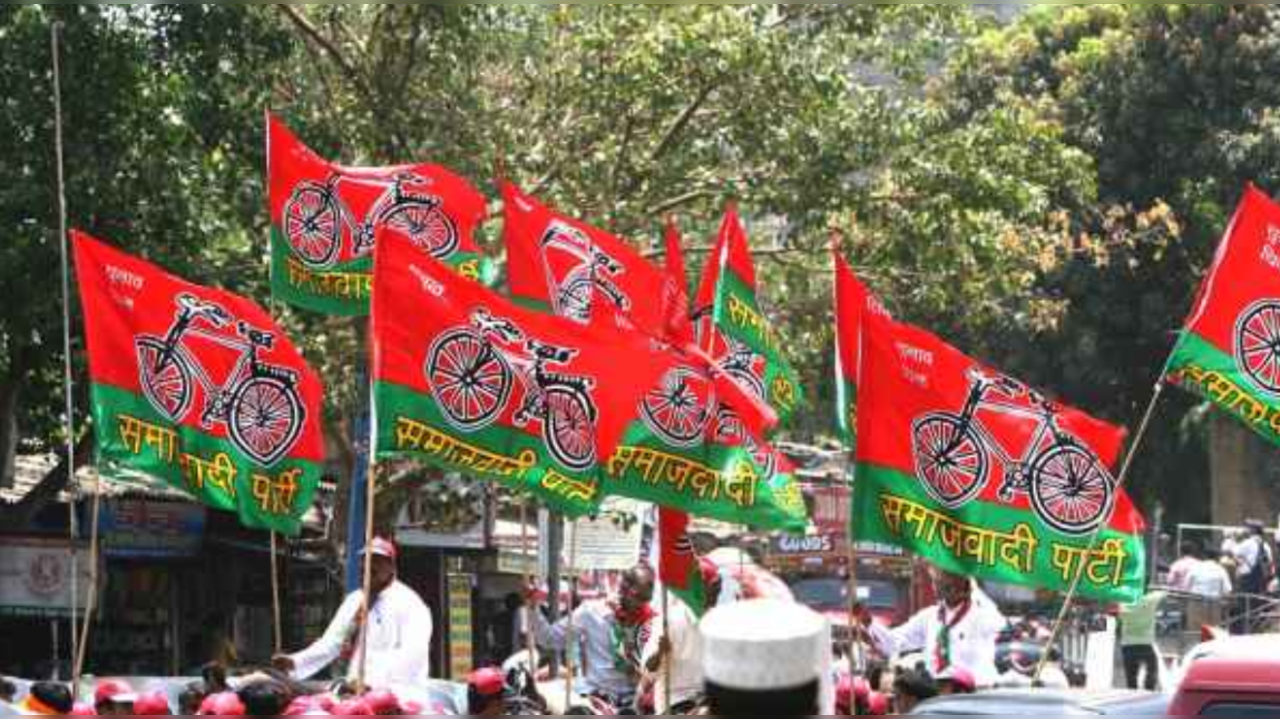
(1237, 686)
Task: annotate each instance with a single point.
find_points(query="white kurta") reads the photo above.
(399, 651)
(686, 656)
(973, 638)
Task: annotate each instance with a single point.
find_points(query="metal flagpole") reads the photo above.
(67, 376)
(571, 645)
(370, 497)
(275, 596)
(666, 635)
(1097, 532)
(530, 642)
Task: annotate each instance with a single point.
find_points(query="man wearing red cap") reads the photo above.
(113, 698)
(678, 641)
(399, 631)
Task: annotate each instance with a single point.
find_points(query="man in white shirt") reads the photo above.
(399, 631)
(959, 631)
(610, 634)
(678, 641)
(1177, 578)
(1208, 578)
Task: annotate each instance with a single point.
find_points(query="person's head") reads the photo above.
(1190, 549)
(635, 591)
(764, 657)
(151, 704)
(383, 557)
(8, 690)
(113, 698)
(956, 680)
(912, 686)
(1254, 528)
(266, 698)
(222, 704)
(953, 589)
(48, 698)
(485, 688)
(190, 699)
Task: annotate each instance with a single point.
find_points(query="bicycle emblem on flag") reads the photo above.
(1069, 488)
(317, 221)
(576, 270)
(472, 371)
(258, 402)
(1257, 351)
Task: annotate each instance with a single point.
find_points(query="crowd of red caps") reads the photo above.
(115, 697)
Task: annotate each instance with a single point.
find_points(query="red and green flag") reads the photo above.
(468, 380)
(732, 327)
(574, 270)
(678, 566)
(852, 299)
(326, 219)
(982, 475)
(200, 388)
(1229, 350)
(679, 329)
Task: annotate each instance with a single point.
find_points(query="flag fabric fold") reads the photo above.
(1229, 349)
(200, 388)
(982, 475)
(852, 300)
(326, 219)
(731, 326)
(678, 567)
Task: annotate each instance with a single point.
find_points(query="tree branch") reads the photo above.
(667, 205)
(682, 120)
(313, 34)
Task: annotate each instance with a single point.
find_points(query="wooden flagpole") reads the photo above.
(571, 643)
(55, 44)
(370, 496)
(1097, 532)
(666, 636)
(275, 596)
(530, 642)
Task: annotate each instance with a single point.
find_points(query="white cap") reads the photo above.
(764, 644)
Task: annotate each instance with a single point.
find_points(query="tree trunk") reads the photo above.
(10, 390)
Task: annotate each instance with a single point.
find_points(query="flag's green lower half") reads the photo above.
(993, 542)
(409, 424)
(132, 437)
(1203, 368)
(345, 288)
(719, 481)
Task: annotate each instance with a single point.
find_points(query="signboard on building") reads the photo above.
(134, 528)
(461, 628)
(448, 514)
(610, 542)
(831, 509)
(35, 576)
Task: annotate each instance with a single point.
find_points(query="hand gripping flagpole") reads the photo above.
(67, 376)
(1097, 532)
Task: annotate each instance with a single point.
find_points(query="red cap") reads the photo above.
(151, 704)
(844, 695)
(383, 548)
(352, 708)
(861, 689)
(224, 704)
(83, 710)
(877, 704)
(962, 679)
(112, 690)
(487, 682)
(381, 701)
(298, 707)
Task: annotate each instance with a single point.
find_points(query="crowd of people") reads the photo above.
(747, 656)
(1230, 582)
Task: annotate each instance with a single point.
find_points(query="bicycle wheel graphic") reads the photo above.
(678, 410)
(265, 418)
(425, 224)
(470, 380)
(167, 385)
(1070, 489)
(731, 430)
(575, 295)
(569, 428)
(949, 457)
(313, 225)
(1258, 345)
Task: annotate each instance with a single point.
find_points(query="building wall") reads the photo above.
(1244, 473)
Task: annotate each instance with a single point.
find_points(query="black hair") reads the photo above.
(794, 702)
(1191, 549)
(54, 695)
(191, 697)
(916, 683)
(8, 690)
(266, 698)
